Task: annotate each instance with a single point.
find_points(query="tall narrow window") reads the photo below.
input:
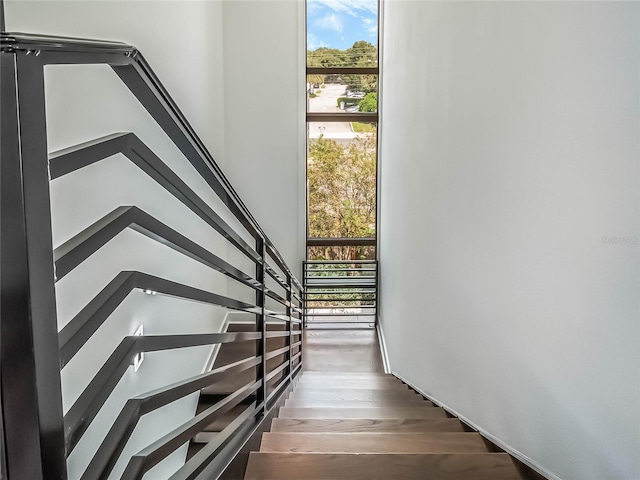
(342, 120)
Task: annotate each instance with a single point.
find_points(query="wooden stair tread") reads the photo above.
(225, 388)
(332, 403)
(337, 374)
(230, 385)
(231, 352)
(225, 419)
(288, 466)
(241, 327)
(353, 385)
(312, 375)
(373, 413)
(371, 377)
(431, 442)
(344, 374)
(366, 425)
(323, 377)
(251, 327)
(354, 394)
(203, 437)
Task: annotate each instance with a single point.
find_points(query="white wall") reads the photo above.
(509, 222)
(183, 41)
(264, 115)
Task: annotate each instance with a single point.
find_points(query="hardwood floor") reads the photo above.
(342, 351)
(346, 420)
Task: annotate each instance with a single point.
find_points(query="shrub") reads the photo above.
(348, 101)
(369, 103)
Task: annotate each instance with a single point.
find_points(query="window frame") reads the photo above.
(365, 117)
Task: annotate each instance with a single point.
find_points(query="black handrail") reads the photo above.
(39, 437)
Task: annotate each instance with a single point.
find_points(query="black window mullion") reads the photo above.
(342, 117)
(343, 70)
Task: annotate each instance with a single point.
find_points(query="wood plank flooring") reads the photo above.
(333, 350)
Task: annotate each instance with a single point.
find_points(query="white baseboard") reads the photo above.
(510, 450)
(383, 349)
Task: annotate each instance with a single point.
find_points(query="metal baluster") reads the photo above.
(31, 390)
(289, 311)
(261, 324)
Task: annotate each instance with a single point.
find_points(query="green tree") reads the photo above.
(369, 103)
(315, 79)
(361, 54)
(342, 194)
(326, 57)
(342, 180)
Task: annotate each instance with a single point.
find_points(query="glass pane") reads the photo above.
(342, 93)
(342, 33)
(341, 180)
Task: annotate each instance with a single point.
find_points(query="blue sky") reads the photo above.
(341, 23)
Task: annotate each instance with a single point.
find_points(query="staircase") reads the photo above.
(361, 425)
(230, 353)
(344, 419)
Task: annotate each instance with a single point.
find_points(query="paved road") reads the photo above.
(326, 102)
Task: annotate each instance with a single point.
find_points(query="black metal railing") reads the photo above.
(38, 437)
(340, 292)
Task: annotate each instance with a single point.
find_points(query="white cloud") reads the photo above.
(314, 42)
(330, 22)
(370, 26)
(313, 6)
(350, 7)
